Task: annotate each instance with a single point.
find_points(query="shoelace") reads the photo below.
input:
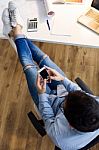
(12, 16)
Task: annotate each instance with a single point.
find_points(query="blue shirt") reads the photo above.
(56, 124)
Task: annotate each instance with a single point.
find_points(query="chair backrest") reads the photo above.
(38, 124)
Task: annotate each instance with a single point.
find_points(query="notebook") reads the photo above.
(90, 19)
(73, 1)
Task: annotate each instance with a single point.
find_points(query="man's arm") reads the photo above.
(49, 118)
(45, 108)
(44, 103)
(69, 85)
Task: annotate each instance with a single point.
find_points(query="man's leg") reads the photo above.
(42, 59)
(29, 66)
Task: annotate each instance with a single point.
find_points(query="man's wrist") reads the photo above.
(41, 92)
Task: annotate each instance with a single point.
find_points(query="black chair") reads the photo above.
(39, 124)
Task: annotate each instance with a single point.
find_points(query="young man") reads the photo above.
(70, 115)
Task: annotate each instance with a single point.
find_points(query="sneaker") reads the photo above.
(14, 15)
(7, 27)
(6, 22)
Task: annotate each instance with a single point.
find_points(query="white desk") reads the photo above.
(81, 36)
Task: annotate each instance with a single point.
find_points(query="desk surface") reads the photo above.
(80, 36)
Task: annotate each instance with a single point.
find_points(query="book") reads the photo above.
(74, 1)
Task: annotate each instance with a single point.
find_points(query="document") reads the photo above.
(62, 25)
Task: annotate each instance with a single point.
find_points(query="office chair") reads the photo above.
(39, 124)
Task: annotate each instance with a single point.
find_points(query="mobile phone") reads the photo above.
(43, 72)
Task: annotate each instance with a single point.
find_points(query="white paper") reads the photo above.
(62, 25)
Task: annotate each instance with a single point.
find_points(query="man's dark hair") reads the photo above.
(82, 111)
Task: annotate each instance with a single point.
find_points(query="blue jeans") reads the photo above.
(31, 57)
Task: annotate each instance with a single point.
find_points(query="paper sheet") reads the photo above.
(62, 25)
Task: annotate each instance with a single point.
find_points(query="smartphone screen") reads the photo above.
(43, 72)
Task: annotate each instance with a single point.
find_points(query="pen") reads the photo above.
(48, 24)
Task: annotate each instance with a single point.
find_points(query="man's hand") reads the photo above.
(54, 75)
(41, 84)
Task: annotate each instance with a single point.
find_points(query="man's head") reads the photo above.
(82, 111)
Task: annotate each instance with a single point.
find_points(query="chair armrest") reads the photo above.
(36, 123)
(92, 143)
(57, 148)
(83, 86)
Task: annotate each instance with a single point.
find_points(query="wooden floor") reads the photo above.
(16, 131)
